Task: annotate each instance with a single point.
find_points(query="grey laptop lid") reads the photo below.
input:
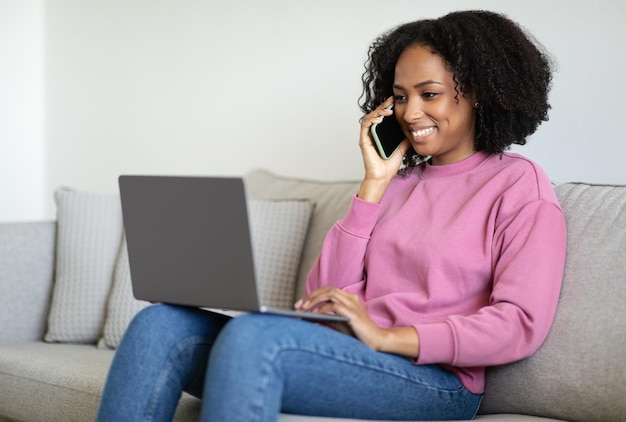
(188, 241)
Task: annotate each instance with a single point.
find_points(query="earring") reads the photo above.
(476, 104)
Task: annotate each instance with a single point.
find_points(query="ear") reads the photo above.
(472, 97)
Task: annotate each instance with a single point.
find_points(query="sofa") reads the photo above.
(65, 300)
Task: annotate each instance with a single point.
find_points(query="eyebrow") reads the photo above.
(421, 84)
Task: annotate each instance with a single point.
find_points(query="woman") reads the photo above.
(450, 265)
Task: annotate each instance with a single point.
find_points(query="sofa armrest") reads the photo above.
(26, 277)
(578, 373)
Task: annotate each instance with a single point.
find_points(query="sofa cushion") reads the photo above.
(51, 382)
(89, 234)
(331, 199)
(579, 373)
(60, 382)
(63, 382)
(278, 230)
(26, 274)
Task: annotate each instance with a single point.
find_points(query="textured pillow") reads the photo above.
(89, 233)
(579, 372)
(278, 229)
(331, 199)
(122, 305)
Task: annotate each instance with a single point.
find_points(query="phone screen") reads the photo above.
(387, 135)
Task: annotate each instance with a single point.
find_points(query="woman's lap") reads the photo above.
(277, 364)
(318, 371)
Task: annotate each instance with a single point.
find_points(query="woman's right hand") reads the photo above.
(378, 172)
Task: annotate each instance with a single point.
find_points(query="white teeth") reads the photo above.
(422, 132)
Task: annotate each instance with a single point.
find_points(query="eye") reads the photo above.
(429, 95)
(399, 98)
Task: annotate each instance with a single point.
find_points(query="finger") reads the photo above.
(377, 115)
(325, 308)
(314, 298)
(331, 300)
(340, 303)
(383, 109)
(369, 120)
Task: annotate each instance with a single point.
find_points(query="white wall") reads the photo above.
(21, 110)
(214, 87)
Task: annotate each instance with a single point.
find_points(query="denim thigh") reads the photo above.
(284, 364)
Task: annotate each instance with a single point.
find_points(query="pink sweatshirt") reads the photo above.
(470, 254)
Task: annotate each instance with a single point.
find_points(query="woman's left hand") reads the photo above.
(331, 300)
(335, 301)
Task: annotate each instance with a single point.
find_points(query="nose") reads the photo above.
(412, 111)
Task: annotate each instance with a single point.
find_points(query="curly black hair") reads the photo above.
(490, 56)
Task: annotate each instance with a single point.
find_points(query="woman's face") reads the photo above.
(436, 118)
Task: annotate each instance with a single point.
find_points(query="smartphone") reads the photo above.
(387, 135)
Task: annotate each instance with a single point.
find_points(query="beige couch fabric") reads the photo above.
(26, 273)
(579, 374)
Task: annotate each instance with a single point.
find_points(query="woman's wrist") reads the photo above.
(402, 341)
(373, 190)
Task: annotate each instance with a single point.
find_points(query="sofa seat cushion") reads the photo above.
(59, 383)
(54, 382)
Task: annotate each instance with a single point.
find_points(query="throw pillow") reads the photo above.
(332, 200)
(278, 229)
(122, 305)
(89, 233)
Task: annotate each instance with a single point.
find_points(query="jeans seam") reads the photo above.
(168, 367)
(339, 358)
(382, 369)
(257, 404)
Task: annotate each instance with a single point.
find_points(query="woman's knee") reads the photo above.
(246, 332)
(244, 328)
(260, 333)
(152, 316)
(163, 324)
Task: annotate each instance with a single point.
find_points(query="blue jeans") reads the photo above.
(253, 367)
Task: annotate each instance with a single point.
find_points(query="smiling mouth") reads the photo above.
(422, 132)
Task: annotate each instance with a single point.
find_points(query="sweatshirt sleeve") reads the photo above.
(530, 247)
(341, 260)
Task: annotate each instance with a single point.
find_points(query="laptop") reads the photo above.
(189, 243)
